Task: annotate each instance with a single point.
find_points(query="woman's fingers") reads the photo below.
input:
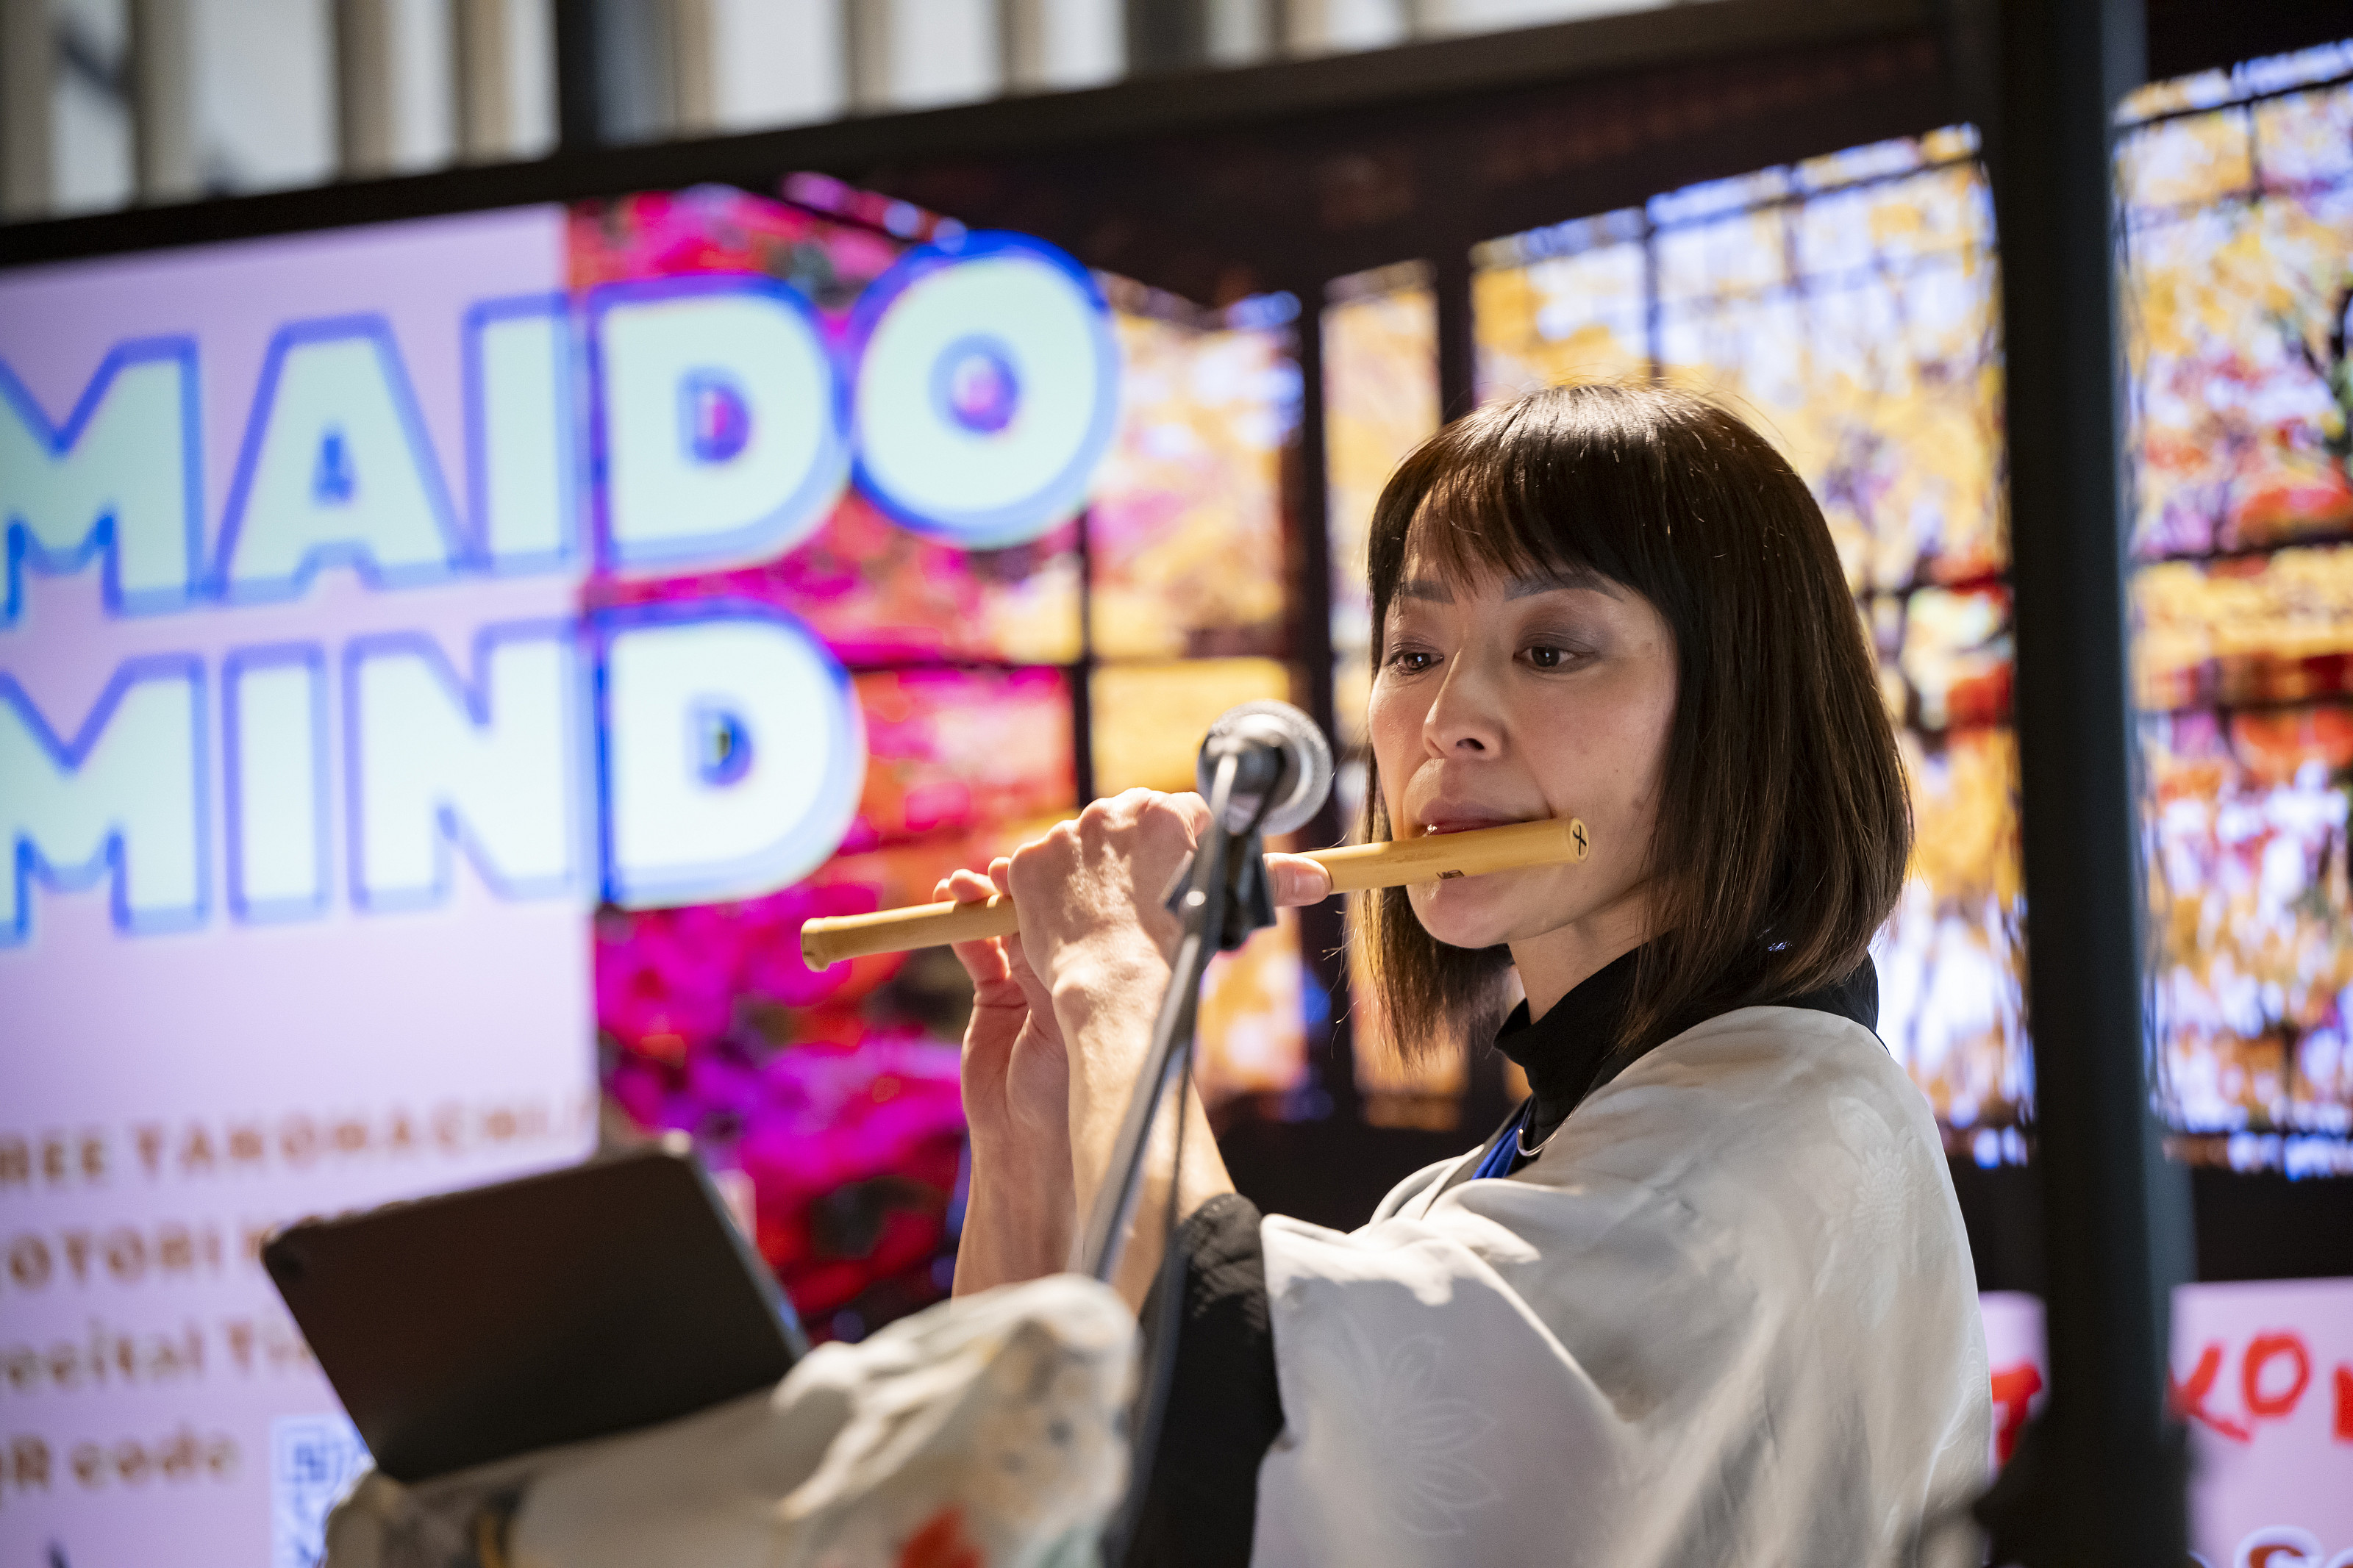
(983, 960)
(1000, 882)
(965, 887)
(1295, 881)
(1193, 810)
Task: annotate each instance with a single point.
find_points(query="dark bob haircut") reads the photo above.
(1783, 823)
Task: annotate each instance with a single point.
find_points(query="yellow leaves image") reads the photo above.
(2265, 629)
(2239, 273)
(2234, 313)
(1187, 529)
(2252, 917)
(1578, 316)
(1253, 1040)
(1380, 401)
(1950, 959)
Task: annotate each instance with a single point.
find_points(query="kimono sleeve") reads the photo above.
(1524, 1374)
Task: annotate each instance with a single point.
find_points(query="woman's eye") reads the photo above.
(1410, 660)
(1544, 657)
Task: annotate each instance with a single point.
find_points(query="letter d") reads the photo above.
(722, 416)
(734, 752)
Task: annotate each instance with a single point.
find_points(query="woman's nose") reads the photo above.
(1463, 719)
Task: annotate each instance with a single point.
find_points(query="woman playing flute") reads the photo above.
(1706, 1297)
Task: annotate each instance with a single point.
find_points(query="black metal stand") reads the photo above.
(1222, 898)
(2099, 1479)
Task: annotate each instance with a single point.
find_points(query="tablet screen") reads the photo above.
(478, 1325)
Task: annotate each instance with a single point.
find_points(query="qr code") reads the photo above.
(312, 1460)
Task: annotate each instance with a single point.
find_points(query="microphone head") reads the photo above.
(1305, 776)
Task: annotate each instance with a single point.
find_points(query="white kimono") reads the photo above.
(1726, 1316)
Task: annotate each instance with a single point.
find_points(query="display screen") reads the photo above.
(1849, 305)
(2239, 278)
(444, 663)
(1130, 607)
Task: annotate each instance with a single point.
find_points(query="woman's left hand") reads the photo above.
(1102, 943)
(1095, 885)
(1090, 891)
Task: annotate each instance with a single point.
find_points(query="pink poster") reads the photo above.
(227, 1002)
(440, 664)
(2263, 1370)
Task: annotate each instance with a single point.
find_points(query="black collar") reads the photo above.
(1571, 1051)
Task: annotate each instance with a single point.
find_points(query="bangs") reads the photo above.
(1476, 524)
(1542, 488)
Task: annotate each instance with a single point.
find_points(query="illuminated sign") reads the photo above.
(717, 424)
(312, 765)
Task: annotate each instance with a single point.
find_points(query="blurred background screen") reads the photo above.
(443, 662)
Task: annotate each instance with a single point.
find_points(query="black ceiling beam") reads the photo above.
(1530, 89)
(1259, 97)
(1216, 215)
(2189, 35)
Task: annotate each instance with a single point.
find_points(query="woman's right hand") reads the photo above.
(1020, 1212)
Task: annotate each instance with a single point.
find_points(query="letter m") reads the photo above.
(118, 479)
(123, 802)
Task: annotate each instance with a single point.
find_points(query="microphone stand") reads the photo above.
(1222, 898)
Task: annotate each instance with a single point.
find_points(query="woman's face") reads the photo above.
(1503, 701)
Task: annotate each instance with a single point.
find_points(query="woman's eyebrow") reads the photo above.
(1436, 591)
(1563, 578)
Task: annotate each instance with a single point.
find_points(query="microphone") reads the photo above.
(1284, 762)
